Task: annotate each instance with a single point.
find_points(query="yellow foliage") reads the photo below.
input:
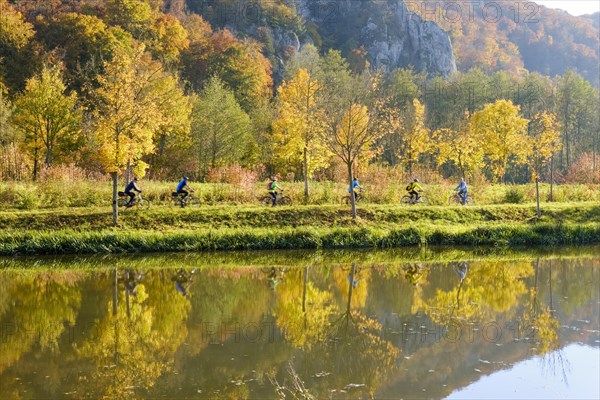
(545, 141)
(300, 124)
(129, 112)
(502, 132)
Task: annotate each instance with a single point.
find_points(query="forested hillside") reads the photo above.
(512, 35)
(153, 88)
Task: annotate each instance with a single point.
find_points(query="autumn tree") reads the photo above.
(578, 115)
(83, 43)
(11, 159)
(135, 16)
(16, 55)
(48, 117)
(167, 38)
(129, 113)
(300, 126)
(544, 134)
(502, 132)
(414, 135)
(239, 64)
(221, 130)
(349, 138)
(459, 146)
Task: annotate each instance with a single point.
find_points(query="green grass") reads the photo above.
(163, 229)
(164, 218)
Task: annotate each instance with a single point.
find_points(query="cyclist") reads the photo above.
(181, 189)
(183, 280)
(272, 188)
(131, 280)
(462, 191)
(355, 185)
(129, 189)
(413, 190)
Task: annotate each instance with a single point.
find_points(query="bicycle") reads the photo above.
(123, 201)
(281, 200)
(457, 199)
(348, 198)
(180, 201)
(409, 201)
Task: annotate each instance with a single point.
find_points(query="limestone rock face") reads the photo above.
(393, 36)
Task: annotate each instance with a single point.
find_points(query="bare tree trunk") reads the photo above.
(304, 289)
(115, 292)
(35, 163)
(115, 206)
(537, 197)
(551, 176)
(306, 192)
(48, 159)
(353, 200)
(352, 274)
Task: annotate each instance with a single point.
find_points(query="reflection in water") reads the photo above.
(183, 280)
(349, 330)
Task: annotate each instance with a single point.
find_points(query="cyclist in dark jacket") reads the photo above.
(130, 188)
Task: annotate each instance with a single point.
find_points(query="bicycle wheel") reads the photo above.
(453, 200)
(470, 200)
(346, 200)
(122, 201)
(266, 200)
(423, 200)
(144, 204)
(284, 201)
(405, 201)
(189, 201)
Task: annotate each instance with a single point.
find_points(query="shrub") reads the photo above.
(582, 170)
(28, 198)
(514, 196)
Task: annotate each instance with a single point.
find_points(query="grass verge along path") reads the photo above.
(300, 227)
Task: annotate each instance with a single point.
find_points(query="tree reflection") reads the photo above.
(490, 288)
(342, 348)
(136, 339)
(302, 310)
(39, 307)
(539, 321)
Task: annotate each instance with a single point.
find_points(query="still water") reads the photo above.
(302, 325)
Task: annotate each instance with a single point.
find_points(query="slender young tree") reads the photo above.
(128, 112)
(544, 134)
(349, 138)
(300, 125)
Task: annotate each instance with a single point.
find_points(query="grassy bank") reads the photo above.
(86, 231)
(77, 242)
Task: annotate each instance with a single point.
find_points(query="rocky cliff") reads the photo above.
(392, 36)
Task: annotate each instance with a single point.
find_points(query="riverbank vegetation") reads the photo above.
(71, 231)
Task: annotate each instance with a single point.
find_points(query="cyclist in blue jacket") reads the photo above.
(129, 189)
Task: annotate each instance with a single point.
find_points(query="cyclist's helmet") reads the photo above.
(135, 178)
(185, 178)
(273, 178)
(416, 180)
